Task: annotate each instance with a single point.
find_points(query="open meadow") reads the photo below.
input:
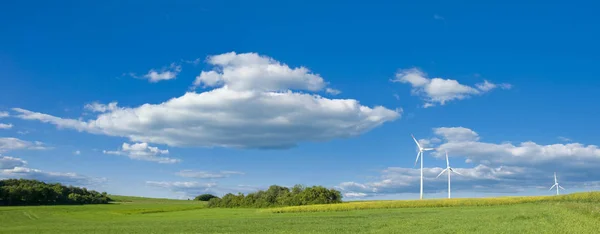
(575, 213)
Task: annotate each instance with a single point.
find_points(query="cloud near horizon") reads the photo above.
(190, 189)
(207, 175)
(11, 167)
(497, 168)
(255, 102)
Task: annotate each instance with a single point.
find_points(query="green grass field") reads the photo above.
(577, 213)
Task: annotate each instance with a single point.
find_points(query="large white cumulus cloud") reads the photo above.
(255, 102)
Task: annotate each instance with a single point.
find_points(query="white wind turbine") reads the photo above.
(556, 185)
(449, 170)
(420, 153)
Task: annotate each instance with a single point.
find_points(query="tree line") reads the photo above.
(278, 196)
(33, 192)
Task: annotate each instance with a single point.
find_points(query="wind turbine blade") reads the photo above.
(427, 149)
(455, 171)
(555, 178)
(441, 173)
(413, 137)
(416, 160)
(552, 187)
(561, 187)
(447, 162)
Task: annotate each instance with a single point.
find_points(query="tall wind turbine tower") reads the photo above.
(449, 170)
(420, 154)
(556, 185)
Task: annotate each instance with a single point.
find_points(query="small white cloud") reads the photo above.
(439, 91)
(452, 134)
(332, 91)
(5, 126)
(164, 74)
(76, 152)
(98, 107)
(154, 75)
(487, 86)
(565, 139)
(142, 151)
(4, 114)
(207, 175)
(438, 17)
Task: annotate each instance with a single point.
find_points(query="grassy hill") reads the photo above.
(574, 213)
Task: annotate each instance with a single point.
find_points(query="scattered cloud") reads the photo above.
(438, 90)
(22, 132)
(4, 114)
(7, 162)
(498, 167)
(144, 152)
(195, 61)
(11, 167)
(76, 152)
(438, 17)
(98, 107)
(191, 189)
(251, 105)
(487, 86)
(456, 134)
(5, 126)
(207, 175)
(165, 73)
(11, 143)
(332, 91)
(354, 195)
(565, 139)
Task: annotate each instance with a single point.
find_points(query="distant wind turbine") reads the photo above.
(449, 170)
(420, 153)
(556, 185)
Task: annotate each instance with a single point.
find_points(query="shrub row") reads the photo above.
(277, 196)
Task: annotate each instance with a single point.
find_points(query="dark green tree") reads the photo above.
(204, 197)
(33, 192)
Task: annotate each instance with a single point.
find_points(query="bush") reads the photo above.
(277, 196)
(33, 192)
(204, 197)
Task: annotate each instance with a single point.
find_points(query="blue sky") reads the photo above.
(173, 99)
